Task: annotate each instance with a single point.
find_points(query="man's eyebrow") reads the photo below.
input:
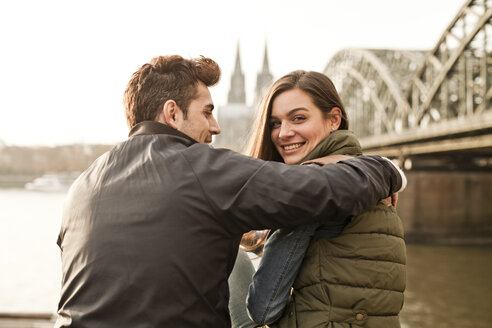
(290, 112)
(209, 106)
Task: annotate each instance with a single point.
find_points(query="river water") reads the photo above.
(446, 286)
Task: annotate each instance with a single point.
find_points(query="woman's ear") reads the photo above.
(170, 114)
(335, 118)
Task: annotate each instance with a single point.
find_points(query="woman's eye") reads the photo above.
(298, 118)
(274, 125)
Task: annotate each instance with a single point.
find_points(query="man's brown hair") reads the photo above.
(166, 78)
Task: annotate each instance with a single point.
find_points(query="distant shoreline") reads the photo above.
(41, 320)
(15, 180)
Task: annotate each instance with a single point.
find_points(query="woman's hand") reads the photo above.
(328, 159)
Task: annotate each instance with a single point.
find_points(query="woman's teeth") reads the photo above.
(291, 147)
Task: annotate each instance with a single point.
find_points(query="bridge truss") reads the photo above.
(415, 103)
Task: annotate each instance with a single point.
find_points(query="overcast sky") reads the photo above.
(64, 64)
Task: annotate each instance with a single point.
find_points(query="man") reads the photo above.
(151, 230)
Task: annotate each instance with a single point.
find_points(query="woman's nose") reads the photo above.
(285, 131)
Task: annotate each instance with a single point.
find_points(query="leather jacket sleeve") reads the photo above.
(247, 193)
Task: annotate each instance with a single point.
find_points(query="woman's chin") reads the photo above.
(291, 159)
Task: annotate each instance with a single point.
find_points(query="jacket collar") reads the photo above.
(153, 127)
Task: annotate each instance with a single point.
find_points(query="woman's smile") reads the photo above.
(290, 148)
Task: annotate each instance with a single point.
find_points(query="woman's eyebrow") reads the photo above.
(290, 112)
(294, 110)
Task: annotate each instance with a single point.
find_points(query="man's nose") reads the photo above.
(214, 126)
(285, 131)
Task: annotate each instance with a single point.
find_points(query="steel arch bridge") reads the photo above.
(405, 104)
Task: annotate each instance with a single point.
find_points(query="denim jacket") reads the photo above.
(282, 258)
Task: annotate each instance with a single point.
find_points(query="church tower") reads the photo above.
(237, 92)
(235, 118)
(263, 79)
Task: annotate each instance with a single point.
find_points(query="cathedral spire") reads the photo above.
(237, 93)
(264, 78)
(266, 67)
(238, 60)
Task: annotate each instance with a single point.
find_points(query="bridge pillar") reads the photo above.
(449, 207)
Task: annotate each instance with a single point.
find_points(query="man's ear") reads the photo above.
(170, 114)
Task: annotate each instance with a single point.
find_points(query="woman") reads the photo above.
(343, 274)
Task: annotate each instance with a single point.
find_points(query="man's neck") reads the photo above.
(153, 127)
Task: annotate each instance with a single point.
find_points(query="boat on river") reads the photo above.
(53, 182)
